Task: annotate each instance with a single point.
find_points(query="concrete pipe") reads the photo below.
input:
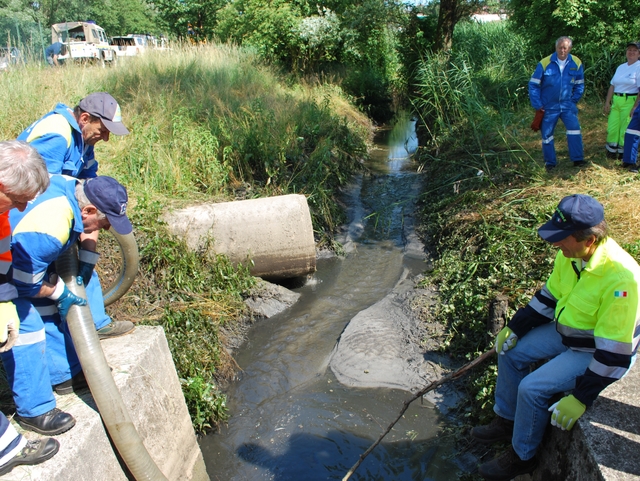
(275, 233)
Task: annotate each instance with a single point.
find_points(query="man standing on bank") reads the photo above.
(583, 321)
(555, 87)
(65, 139)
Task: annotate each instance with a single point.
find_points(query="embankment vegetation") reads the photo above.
(211, 123)
(487, 190)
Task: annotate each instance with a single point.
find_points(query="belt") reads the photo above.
(625, 95)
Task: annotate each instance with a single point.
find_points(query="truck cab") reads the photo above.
(84, 40)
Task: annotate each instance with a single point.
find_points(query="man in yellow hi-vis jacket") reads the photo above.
(584, 320)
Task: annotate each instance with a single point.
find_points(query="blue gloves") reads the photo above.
(506, 340)
(566, 412)
(64, 299)
(87, 260)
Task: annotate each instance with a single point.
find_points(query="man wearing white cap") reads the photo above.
(65, 139)
(584, 321)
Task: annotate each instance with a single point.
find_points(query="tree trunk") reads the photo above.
(447, 19)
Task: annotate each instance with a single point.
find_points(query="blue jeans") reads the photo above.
(574, 134)
(632, 139)
(523, 397)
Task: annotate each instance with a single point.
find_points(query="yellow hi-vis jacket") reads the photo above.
(597, 310)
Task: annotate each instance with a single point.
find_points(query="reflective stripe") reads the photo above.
(613, 372)
(573, 132)
(573, 332)
(11, 443)
(8, 292)
(632, 132)
(5, 266)
(534, 80)
(580, 81)
(5, 244)
(46, 310)
(30, 338)
(542, 309)
(27, 277)
(610, 345)
(547, 141)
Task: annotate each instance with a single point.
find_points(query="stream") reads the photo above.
(290, 417)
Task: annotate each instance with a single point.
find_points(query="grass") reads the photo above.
(204, 121)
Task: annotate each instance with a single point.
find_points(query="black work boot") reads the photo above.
(499, 429)
(507, 466)
(34, 452)
(50, 423)
(76, 383)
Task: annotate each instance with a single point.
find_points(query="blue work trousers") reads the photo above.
(44, 354)
(574, 135)
(632, 139)
(523, 396)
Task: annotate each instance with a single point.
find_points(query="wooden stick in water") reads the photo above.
(422, 392)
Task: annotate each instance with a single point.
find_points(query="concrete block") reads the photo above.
(604, 444)
(146, 377)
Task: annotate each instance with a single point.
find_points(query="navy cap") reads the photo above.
(109, 197)
(105, 107)
(574, 213)
(634, 44)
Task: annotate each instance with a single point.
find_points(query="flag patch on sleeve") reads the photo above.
(620, 293)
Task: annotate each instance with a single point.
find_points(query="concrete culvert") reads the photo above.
(274, 232)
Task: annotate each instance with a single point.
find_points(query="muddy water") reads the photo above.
(290, 418)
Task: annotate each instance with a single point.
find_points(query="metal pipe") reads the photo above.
(98, 375)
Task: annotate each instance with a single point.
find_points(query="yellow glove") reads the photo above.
(506, 340)
(9, 325)
(566, 412)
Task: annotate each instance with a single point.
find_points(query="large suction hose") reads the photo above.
(128, 269)
(98, 375)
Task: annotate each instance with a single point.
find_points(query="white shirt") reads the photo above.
(626, 80)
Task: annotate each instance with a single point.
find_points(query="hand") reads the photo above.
(66, 300)
(9, 325)
(607, 108)
(566, 412)
(86, 262)
(506, 340)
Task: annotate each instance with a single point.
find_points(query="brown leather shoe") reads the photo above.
(499, 429)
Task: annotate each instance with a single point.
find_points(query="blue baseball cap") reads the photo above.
(574, 213)
(109, 197)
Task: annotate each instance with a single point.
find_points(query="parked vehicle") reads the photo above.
(125, 46)
(85, 41)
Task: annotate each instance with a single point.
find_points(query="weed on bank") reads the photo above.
(208, 124)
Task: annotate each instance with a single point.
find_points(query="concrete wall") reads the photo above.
(605, 443)
(146, 377)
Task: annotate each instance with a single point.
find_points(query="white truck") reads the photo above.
(85, 41)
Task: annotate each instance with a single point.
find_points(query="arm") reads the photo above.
(614, 334)
(539, 311)
(607, 102)
(578, 86)
(535, 83)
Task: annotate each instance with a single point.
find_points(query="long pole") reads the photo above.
(422, 392)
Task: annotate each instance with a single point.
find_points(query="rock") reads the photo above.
(267, 299)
